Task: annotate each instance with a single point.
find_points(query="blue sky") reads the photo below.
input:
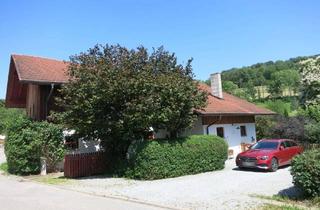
(217, 34)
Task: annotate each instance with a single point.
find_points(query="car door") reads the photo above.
(290, 150)
(295, 148)
(282, 154)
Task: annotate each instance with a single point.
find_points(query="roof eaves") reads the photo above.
(43, 82)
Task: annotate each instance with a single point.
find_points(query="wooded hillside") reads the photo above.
(279, 78)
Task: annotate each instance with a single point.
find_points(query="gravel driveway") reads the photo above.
(226, 189)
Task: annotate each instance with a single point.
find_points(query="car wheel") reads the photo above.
(274, 165)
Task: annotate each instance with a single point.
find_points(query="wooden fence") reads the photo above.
(86, 164)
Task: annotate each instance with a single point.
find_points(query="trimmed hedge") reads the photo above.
(27, 141)
(171, 158)
(306, 172)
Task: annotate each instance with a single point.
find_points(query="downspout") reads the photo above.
(213, 123)
(48, 98)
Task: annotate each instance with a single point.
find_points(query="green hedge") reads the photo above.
(27, 141)
(306, 172)
(171, 158)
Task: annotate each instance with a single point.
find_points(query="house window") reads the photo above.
(243, 130)
(220, 132)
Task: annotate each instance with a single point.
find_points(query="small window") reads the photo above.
(220, 132)
(287, 144)
(243, 130)
(283, 145)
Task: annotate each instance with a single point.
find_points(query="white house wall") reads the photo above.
(197, 129)
(87, 146)
(233, 136)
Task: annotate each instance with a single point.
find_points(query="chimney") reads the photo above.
(216, 85)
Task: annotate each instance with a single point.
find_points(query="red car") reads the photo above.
(269, 154)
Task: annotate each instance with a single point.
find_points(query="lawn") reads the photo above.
(4, 167)
(290, 203)
(52, 178)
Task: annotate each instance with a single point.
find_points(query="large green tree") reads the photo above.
(116, 95)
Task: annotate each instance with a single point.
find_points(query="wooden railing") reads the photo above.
(86, 164)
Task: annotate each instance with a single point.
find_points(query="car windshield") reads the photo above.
(265, 145)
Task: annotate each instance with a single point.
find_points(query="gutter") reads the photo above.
(220, 117)
(48, 98)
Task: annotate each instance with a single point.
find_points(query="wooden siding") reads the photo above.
(38, 105)
(33, 101)
(16, 91)
(207, 120)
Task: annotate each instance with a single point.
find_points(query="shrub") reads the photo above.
(264, 126)
(312, 132)
(22, 148)
(7, 116)
(27, 141)
(52, 145)
(306, 172)
(289, 127)
(171, 158)
(278, 106)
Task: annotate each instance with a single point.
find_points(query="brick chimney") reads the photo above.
(216, 85)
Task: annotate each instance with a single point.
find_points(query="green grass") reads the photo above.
(4, 167)
(53, 179)
(294, 202)
(279, 207)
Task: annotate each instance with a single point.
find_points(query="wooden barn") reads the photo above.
(32, 84)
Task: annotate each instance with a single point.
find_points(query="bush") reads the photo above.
(7, 116)
(171, 158)
(22, 148)
(27, 141)
(264, 126)
(306, 172)
(52, 145)
(312, 132)
(278, 106)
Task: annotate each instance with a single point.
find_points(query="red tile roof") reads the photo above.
(40, 70)
(43, 70)
(230, 105)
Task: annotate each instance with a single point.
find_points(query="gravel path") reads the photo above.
(226, 189)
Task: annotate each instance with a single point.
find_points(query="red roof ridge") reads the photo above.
(40, 57)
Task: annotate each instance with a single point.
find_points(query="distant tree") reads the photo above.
(116, 95)
(250, 90)
(283, 80)
(275, 85)
(208, 82)
(229, 87)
